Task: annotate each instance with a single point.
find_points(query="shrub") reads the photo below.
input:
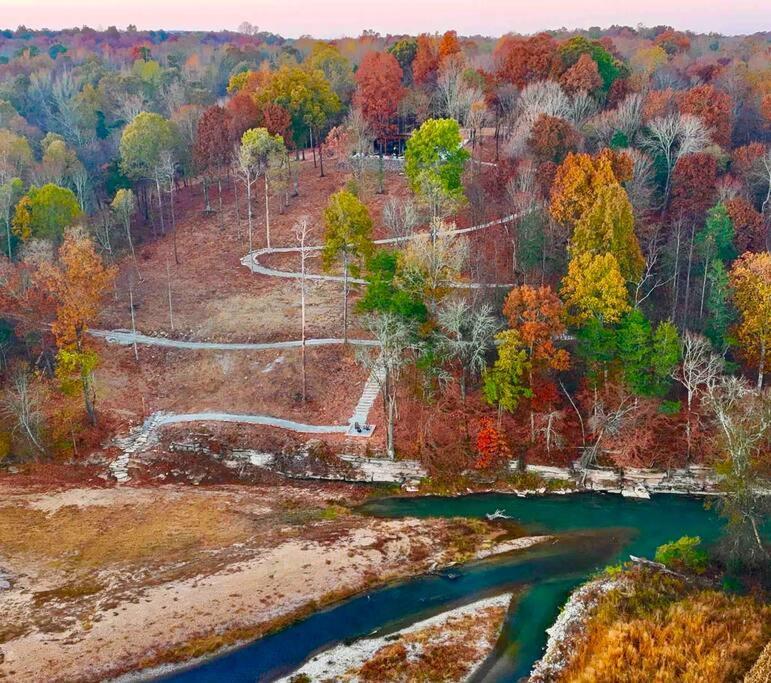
(683, 554)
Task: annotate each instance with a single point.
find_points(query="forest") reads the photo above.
(559, 242)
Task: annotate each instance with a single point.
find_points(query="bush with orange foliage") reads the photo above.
(492, 450)
(713, 107)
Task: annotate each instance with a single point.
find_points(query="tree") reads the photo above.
(720, 312)
(609, 68)
(552, 138)
(44, 213)
(426, 61)
(347, 237)
(23, 403)
(750, 279)
(124, 205)
(749, 230)
(595, 288)
(213, 147)
(77, 283)
(141, 150)
(405, 50)
(306, 94)
(671, 137)
(385, 292)
(302, 231)
(577, 183)
(466, 337)
(435, 159)
(378, 93)
(743, 418)
(713, 107)
(394, 336)
(582, 76)
(502, 383)
(10, 193)
(608, 226)
(700, 367)
(525, 60)
(15, 156)
(259, 151)
(336, 69)
(693, 186)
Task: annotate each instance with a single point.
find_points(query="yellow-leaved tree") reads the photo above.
(77, 282)
(608, 226)
(595, 288)
(750, 279)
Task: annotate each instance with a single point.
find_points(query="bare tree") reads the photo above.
(401, 217)
(743, 416)
(700, 367)
(673, 136)
(302, 231)
(23, 403)
(394, 337)
(466, 337)
(455, 95)
(168, 170)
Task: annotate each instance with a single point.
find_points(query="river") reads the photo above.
(593, 530)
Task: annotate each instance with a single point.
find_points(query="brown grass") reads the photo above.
(96, 536)
(664, 631)
(446, 652)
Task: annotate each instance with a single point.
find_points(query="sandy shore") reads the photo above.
(260, 558)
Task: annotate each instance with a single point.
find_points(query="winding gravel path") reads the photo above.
(127, 338)
(145, 433)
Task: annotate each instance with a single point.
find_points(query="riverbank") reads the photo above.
(447, 647)
(650, 621)
(108, 580)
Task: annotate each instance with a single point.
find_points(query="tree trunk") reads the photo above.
(267, 210)
(238, 213)
(761, 364)
(160, 203)
(171, 311)
(173, 223)
(249, 209)
(345, 297)
(321, 160)
(688, 280)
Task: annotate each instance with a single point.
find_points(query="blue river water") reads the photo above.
(593, 530)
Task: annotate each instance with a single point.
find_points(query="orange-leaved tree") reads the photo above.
(77, 282)
(750, 279)
(492, 449)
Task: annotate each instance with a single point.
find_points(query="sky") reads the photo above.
(335, 18)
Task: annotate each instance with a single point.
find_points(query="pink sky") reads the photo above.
(333, 18)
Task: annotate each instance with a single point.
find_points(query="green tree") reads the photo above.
(336, 69)
(145, 142)
(505, 383)
(609, 67)
(10, 193)
(720, 311)
(308, 97)
(44, 213)
(715, 242)
(260, 151)
(347, 238)
(434, 162)
(384, 293)
(634, 351)
(665, 356)
(597, 346)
